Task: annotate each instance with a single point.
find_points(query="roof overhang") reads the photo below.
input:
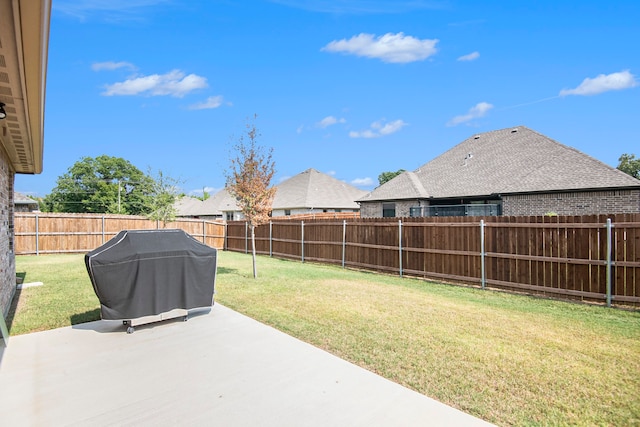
(24, 43)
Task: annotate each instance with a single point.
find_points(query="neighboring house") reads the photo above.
(23, 203)
(315, 192)
(306, 193)
(213, 208)
(24, 41)
(187, 207)
(514, 171)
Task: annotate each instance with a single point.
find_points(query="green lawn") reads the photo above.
(509, 359)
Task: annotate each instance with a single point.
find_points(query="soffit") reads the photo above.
(24, 33)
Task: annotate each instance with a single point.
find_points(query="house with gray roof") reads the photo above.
(214, 207)
(312, 192)
(514, 171)
(22, 203)
(187, 206)
(308, 192)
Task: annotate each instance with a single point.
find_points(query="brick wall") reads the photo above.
(374, 209)
(7, 260)
(577, 203)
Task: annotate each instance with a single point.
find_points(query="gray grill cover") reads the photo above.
(149, 272)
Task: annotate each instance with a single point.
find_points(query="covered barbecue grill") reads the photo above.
(142, 273)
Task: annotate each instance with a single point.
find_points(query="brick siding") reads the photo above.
(576, 203)
(374, 209)
(7, 260)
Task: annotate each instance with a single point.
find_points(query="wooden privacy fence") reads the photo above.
(592, 258)
(46, 233)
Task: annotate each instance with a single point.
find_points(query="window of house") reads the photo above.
(388, 210)
(287, 212)
(229, 216)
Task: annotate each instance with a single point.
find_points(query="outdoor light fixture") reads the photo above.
(3, 114)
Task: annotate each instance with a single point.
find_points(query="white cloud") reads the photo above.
(331, 173)
(470, 57)
(390, 47)
(111, 65)
(209, 103)
(362, 182)
(329, 121)
(174, 83)
(379, 129)
(479, 110)
(603, 83)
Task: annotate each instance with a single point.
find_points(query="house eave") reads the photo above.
(24, 41)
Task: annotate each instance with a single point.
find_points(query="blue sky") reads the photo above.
(350, 88)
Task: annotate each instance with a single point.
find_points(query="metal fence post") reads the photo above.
(271, 238)
(246, 237)
(226, 236)
(302, 240)
(344, 241)
(37, 235)
(609, 262)
(400, 246)
(483, 273)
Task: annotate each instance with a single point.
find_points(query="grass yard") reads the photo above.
(509, 359)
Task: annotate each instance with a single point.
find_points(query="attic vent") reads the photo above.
(514, 130)
(476, 137)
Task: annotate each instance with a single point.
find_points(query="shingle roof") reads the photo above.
(313, 189)
(220, 202)
(309, 189)
(513, 160)
(21, 199)
(213, 206)
(187, 206)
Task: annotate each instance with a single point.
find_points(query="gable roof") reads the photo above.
(187, 206)
(220, 202)
(506, 161)
(313, 189)
(309, 189)
(214, 206)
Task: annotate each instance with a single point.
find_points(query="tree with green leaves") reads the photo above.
(103, 184)
(629, 165)
(162, 198)
(248, 179)
(388, 176)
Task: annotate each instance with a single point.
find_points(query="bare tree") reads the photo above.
(249, 181)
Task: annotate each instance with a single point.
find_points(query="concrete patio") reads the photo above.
(219, 368)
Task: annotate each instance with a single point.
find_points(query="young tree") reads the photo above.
(249, 181)
(162, 198)
(629, 165)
